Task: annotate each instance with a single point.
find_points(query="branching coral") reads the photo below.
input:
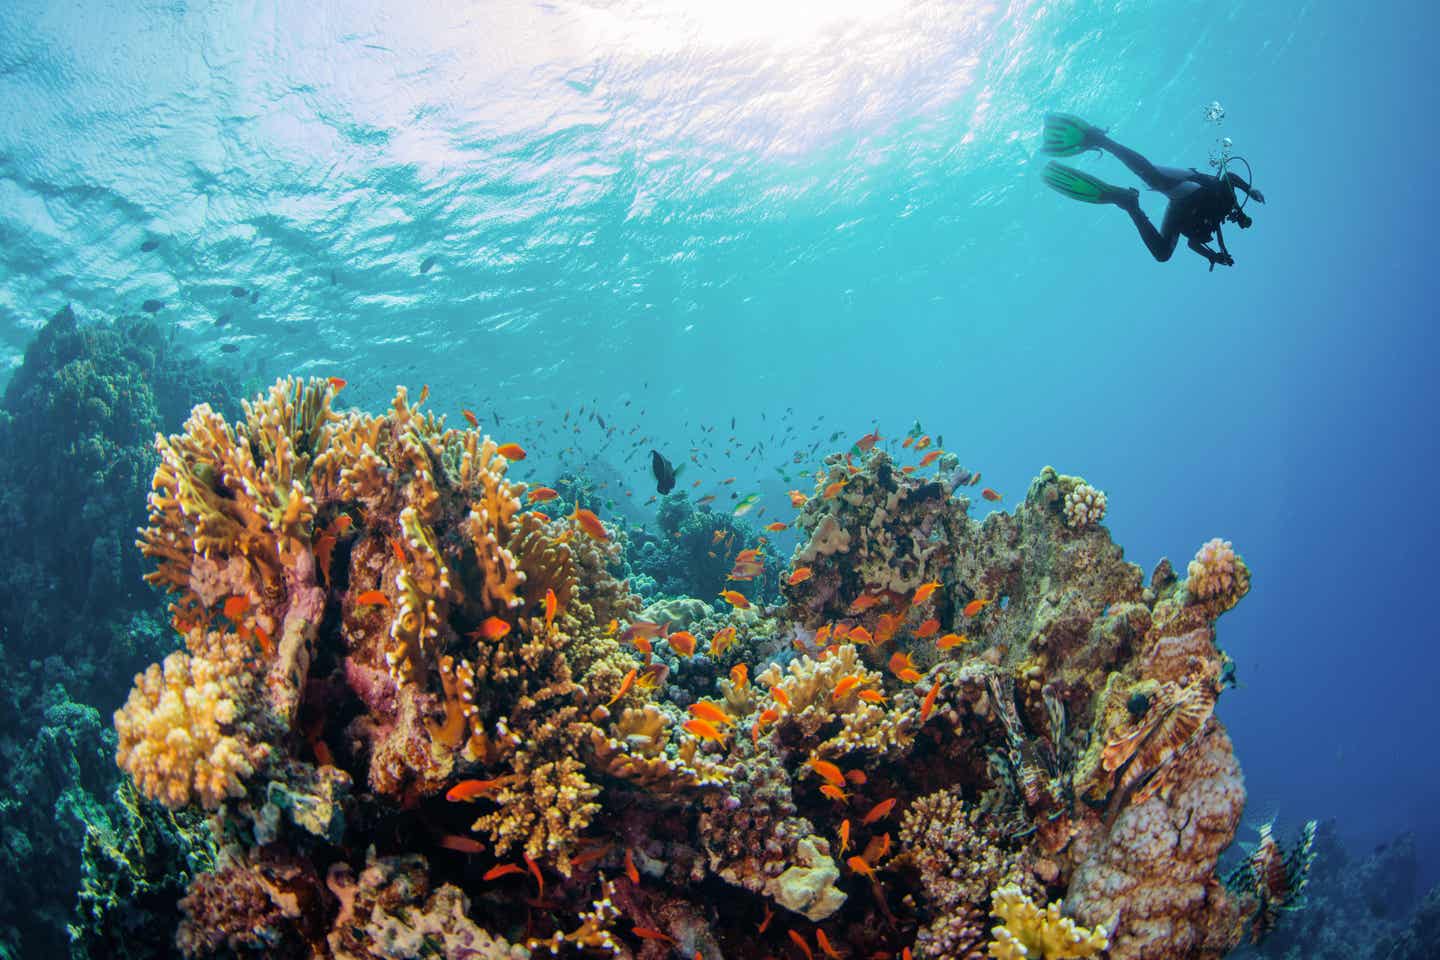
(1084, 505)
(173, 734)
(1029, 931)
(1218, 575)
(833, 726)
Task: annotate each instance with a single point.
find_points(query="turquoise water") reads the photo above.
(827, 217)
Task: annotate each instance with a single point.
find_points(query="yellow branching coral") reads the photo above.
(180, 737)
(809, 686)
(1026, 932)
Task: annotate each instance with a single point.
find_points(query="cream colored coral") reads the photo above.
(171, 739)
(1084, 506)
(1217, 572)
(1027, 931)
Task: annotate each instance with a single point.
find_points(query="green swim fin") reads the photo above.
(1079, 185)
(1066, 135)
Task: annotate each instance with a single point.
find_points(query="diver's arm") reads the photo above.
(1220, 241)
(1221, 258)
(1236, 181)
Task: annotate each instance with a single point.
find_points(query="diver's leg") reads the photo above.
(1163, 179)
(1161, 242)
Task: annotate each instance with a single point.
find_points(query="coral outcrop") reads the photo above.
(428, 718)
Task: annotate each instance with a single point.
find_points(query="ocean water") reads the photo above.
(811, 218)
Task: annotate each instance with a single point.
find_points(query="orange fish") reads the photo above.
(372, 598)
(951, 640)
(974, 607)
(722, 640)
(503, 870)
(885, 627)
(459, 844)
(923, 592)
(625, 686)
(511, 451)
(991, 495)
(930, 457)
(923, 442)
(746, 555)
(727, 480)
(542, 495)
(642, 643)
(708, 498)
(908, 441)
(682, 642)
(927, 628)
(396, 549)
(470, 417)
(236, 606)
(710, 712)
(908, 469)
(735, 598)
(267, 646)
(704, 730)
(906, 955)
(493, 628)
(781, 697)
(872, 696)
(552, 604)
(535, 872)
(467, 791)
(769, 915)
(336, 383)
(800, 942)
(740, 676)
(646, 933)
(630, 870)
(612, 627)
(868, 441)
(844, 686)
(857, 777)
(827, 770)
(590, 523)
(799, 575)
(844, 834)
(777, 526)
(864, 602)
(858, 864)
(879, 811)
(833, 489)
(861, 636)
(797, 499)
(927, 707)
(903, 667)
(825, 946)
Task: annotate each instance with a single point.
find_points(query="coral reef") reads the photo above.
(392, 668)
(75, 461)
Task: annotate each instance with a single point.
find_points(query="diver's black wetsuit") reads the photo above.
(1199, 203)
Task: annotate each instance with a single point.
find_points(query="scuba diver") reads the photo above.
(1199, 203)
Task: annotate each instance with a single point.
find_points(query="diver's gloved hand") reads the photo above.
(1224, 259)
(1256, 195)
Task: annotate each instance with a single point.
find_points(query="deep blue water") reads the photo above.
(746, 209)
